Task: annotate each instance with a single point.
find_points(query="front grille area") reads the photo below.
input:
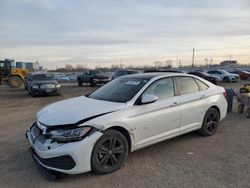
(64, 162)
(47, 86)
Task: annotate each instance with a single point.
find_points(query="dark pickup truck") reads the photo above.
(93, 77)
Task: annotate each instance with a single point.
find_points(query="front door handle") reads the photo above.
(174, 104)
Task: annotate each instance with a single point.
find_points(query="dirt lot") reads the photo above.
(222, 160)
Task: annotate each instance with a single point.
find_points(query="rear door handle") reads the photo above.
(174, 104)
(203, 97)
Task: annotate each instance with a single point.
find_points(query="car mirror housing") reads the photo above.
(148, 98)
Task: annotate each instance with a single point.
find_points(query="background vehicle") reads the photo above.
(42, 83)
(224, 75)
(96, 132)
(244, 75)
(93, 77)
(163, 70)
(206, 76)
(123, 72)
(14, 77)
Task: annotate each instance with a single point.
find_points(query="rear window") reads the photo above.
(202, 86)
(186, 85)
(40, 77)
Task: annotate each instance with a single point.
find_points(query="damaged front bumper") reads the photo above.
(68, 158)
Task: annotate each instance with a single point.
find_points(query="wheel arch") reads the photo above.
(125, 133)
(15, 75)
(217, 109)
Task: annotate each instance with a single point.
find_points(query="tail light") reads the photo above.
(225, 94)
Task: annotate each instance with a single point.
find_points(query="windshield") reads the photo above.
(132, 72)
(43, 77)
(119, 90)
(95, 72)
(205, 74)
(246, 72)
(225, 72)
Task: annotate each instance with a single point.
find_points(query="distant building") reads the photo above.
(31, 66)
(228, 63)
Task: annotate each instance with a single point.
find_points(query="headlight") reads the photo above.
(35, 87)
(69, 135)
(58, 85)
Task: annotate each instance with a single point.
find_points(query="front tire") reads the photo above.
(210, 123)
(226, 79)
(79, 84)
(109, 152)
(15, 82)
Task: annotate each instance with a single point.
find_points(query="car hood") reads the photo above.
(44, 82)
(101, 76)
(75, 111)
(232, 74)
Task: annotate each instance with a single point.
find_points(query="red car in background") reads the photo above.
(244, 75)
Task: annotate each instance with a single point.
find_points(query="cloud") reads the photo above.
(112, 29)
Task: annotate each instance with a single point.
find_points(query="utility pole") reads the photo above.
(121, 63)
(230, 57)
(193, 57)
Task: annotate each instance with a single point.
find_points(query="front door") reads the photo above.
(156, 121)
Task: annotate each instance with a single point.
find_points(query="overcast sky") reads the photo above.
(101, 32)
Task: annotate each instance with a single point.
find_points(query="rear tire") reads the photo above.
(15, 81)
(109, 152)
(210, 123)
(92, 83)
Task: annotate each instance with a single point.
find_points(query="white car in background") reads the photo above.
(96, 132)
(225, 76)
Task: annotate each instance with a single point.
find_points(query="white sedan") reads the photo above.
(96, 132)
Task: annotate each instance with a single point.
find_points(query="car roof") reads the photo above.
(149, 76)
(38, 73)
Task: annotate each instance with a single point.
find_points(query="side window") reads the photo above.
(163, 88)
(213, 72)
(122, 73)
(202, 86)
(186, 85)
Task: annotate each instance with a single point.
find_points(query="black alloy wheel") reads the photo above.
(92, 83)
(210, 123)
(109, 153)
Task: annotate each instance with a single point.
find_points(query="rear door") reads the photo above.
(193, 102)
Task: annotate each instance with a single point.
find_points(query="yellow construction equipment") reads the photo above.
(14, 77)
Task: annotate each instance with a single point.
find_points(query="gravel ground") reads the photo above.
(222, 160)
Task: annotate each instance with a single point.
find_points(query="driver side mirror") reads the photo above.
(148, 98)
